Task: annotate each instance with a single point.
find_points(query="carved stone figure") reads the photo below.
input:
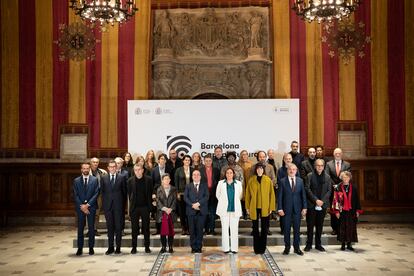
(164, 30)
(256, 76)
(218, 51)
(255, 26)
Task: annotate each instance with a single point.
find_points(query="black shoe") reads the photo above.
(97, 233)
(343, 247)
(307, 248)
(170, 250)
(163, 250)
(286, 251)
(299, 252)
(118, 250)
(79, 252)
(87, 233)
(269, 233)
(147, 250)
(234, 252)
(193, 251)
(333, 233)
(350, 248)
(134, 250)
(109, 251)
(91, 251)
(251, 233)
(214, 233)
(155, 233)
(320, 248)
(226, 252)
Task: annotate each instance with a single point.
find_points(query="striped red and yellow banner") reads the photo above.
(39, 92)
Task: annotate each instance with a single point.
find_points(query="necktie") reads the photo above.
(112, 180)
(85, 184)
(293, 184)
(338, 168)
(196, 186)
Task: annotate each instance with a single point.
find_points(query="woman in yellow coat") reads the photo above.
(260, 202)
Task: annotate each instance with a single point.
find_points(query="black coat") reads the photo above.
(311, 187)
(132, 192)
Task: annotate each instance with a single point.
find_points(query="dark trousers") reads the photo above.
(144, 214)
(82, 217)
(195, 225)
(181, 209)
(114, 224)
(289, 221)
(211, 217)
(164, 241)
(314, 219)
(260, 237)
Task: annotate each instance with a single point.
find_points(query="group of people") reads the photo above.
(198, 189)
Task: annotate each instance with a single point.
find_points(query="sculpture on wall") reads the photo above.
(255, 27)
(219, 51)
(164, 30)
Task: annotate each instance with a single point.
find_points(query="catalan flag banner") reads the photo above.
(40, 90)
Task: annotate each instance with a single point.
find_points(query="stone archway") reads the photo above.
(209, 96)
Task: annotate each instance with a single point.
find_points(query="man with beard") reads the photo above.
(85, 192)
(308, 165)
(97, 172)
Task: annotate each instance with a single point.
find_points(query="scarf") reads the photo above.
(347, 201)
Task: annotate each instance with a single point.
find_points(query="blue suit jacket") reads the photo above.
(114, 197)
(91, 194)
(287, 200)
(191, 196)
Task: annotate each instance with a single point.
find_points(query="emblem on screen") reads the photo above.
(181, 144)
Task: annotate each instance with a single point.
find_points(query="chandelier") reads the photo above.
(104, 11)
(324, 10)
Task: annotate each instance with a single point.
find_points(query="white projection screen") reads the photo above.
(199, 125)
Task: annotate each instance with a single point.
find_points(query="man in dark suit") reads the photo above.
(114, 192)
(318, 190)
(196, 199)
(297, 157)
(211, 176)
(291, 205)
(173, 163)
(308, 165)
(85, 192)
(140, 190)
(334, 169)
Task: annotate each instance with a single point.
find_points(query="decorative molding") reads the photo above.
(203, 51)
(190, 4)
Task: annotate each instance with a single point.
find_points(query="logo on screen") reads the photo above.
(181, 144)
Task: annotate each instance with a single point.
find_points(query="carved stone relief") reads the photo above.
(220, 51)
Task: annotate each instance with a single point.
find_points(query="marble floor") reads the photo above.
(384, 249)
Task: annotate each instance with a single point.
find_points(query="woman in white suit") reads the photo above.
(229, 193)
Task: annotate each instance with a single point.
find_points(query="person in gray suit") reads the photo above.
(318, 190)
(334, 169)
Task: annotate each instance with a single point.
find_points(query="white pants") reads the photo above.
(230, 220)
